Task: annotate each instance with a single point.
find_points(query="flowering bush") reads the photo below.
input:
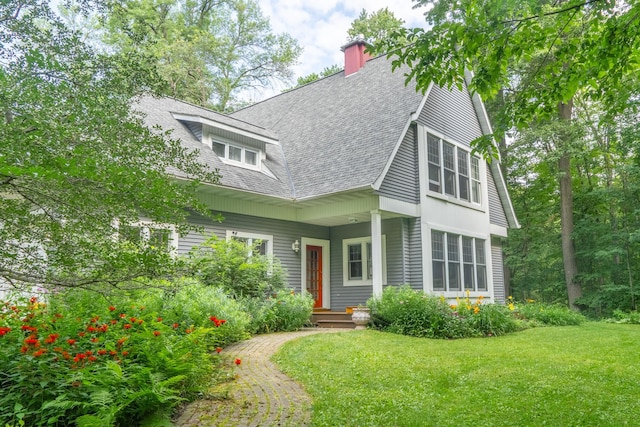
(80, 360)
(406, 311)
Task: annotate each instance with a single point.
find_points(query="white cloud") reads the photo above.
(320, 26)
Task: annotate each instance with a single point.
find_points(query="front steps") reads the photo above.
(332, 319)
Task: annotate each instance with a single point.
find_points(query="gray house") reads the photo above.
(355, 182)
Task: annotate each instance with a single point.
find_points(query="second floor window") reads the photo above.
(235, 154)
(452, 170)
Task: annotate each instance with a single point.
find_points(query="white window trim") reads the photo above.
(250, 236)
(442, 194)
(145, 226)
(452, 293)
(226, 160)
(345, 261)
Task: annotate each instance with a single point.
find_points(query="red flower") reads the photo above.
(213, 319)
(127, 326)
(102, 352)
(92, 329)
(88, 352)
(218, 349)
(175, 326)
(132, 319)
(71, 342)
(40, 352)
(32, 341)
(156, 333)
(33, 300)
(24, 349)
(159, 319)
(112, 308)
(95, 319)
(81, 334)
(222, 321)
(122, 340)
(114, 321)
(237, 361)
(122, 315)
(92, 358)
(95, 339)
(188, 331)
(104, 328)
(52, 338)
(125, 353)
(3, 331)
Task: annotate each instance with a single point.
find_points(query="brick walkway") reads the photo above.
(261, 395)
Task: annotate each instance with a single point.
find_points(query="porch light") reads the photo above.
(295, 246)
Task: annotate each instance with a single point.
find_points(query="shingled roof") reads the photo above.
(338, 133)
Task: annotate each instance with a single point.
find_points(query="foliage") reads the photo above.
(99, 361)
(328, 71)
(374, 26)
(283, 311)
(76, 158)
(584, 375)
(239, 270)
(620, 316)
(406, 311)
(209, 52)
(547, 314)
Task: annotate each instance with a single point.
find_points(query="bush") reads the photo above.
(90, 359)
(240, 271)
(548, 314)
(620, 316)
(284, 311)
(406, 311)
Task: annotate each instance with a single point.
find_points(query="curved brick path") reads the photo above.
(261, 395)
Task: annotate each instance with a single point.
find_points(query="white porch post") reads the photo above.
(376, 252)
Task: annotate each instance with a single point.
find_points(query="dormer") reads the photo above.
(236, 143)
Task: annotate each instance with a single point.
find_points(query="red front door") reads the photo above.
(314, 274)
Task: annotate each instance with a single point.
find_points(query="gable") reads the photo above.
(401, 180)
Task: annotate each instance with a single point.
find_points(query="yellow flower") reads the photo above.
(510, 298)
(476, 310)
(530, 301)
(511, 306)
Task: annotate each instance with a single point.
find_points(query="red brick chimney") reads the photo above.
(354, 55)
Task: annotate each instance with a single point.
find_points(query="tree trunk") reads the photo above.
(574, 288)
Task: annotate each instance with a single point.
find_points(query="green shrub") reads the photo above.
(90, 359)
(632, 317)
(548, 314)
(284, 311)
(406, 311)
(239, 270)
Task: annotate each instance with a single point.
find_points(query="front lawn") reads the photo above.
(562, 376)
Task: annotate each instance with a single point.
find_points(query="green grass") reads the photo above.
(562, 376)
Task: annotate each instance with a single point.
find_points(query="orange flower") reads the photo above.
(156, 333)
(112, 308)
(218, 349)
(127, 326)
(237, 361)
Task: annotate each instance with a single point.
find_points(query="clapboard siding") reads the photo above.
(414, 253)
(343, 296)
(452, 114)
(401, 181)
(284, 234)
(496, 211)
(195, 128)
(498, 271)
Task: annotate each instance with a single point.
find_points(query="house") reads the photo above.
(355, 182)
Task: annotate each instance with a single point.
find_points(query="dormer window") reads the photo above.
(235, 154)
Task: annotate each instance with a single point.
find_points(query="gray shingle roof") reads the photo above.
(159, 111)
(338, 133)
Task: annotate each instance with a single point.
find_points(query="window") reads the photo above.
(149, 234)
(257, 244)
(461, 266)
(452, 170)
(358, 261)
(235, 154)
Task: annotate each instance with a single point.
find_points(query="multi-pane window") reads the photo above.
(358, 261)
(452, 170)
(257, 244)
(151, 235)
(235, 154)
(458, 262)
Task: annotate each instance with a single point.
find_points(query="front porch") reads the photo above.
(323, 318)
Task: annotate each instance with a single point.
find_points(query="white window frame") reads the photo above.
(243, 153)
(145, 232)
(477, 244)
(250, 238)
(472, 176)
(365, 244)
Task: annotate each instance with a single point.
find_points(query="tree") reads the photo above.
(77, 165)
(210, 52)
(547, 53)
(375, 27)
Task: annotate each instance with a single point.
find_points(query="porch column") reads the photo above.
(376, 252)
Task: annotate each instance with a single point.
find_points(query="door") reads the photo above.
(314, 274)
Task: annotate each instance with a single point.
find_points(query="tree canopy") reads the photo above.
(209, 51)
(77, 164)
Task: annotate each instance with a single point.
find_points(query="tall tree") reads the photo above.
(76, 159)
(548, 52)
(209, 51)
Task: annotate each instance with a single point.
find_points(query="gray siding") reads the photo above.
(196, 129)
(401, 181)
(498, 271)
(452, 114)
(343, 296)
(496, 211)
(414, 253)
(284, 234)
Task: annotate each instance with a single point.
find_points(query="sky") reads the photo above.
(320, 26)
